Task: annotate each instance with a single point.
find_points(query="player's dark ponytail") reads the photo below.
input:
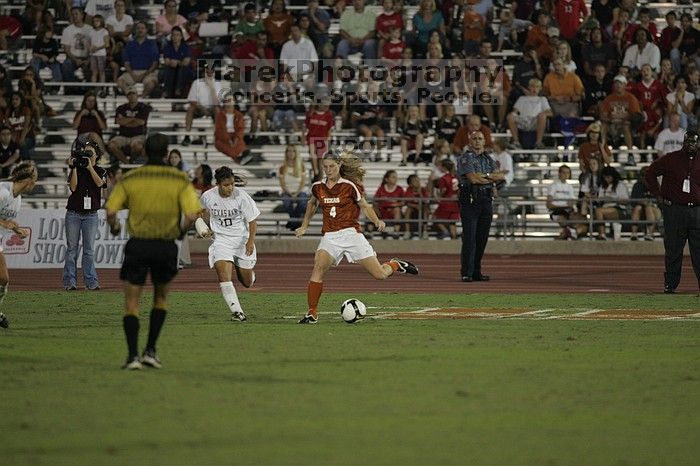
(223, 173)
(22, 171)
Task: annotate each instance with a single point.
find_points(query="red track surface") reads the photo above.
(439, 274)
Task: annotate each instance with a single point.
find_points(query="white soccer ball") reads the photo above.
(353, 310)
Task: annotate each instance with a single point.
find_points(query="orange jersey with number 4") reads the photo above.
(339, 204)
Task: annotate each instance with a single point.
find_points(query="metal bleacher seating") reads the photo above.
(168, 116)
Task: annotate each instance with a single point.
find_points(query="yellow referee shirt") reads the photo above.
(156, 196)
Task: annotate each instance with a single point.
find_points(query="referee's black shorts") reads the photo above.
(142, 255)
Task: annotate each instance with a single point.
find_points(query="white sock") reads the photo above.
(230, 296)
(3, 292)
(252, 282)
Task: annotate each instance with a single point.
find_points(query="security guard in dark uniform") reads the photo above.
(679, 199)
(157, 196)
(478, 176)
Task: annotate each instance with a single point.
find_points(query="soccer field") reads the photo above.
(424, 380)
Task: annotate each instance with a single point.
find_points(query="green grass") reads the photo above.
(381, 392)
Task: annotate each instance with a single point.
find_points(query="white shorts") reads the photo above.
(231, 250)
(347, 242)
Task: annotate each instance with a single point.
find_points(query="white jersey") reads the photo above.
(229, 216)
(9, 207)
(669, 141)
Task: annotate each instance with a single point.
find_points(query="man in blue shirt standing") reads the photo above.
(477, 175)
(141, 58)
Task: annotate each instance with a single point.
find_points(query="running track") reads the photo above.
(439, 274)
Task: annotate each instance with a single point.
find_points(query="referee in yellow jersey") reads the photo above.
(162, 205)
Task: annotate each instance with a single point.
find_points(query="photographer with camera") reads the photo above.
(85, 181)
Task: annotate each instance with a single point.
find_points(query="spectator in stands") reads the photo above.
(76, 42)
(45, 54)
(18, 116)
(366, 116)
(670, 139)
(318, 125)
(688, 44)
(643, 206)
(393, 48)
(417, 200)
(229, 128)
(99, 43)
(472, 30)
(589, 185)
(597, 88)
(442, 151)
(495, 84)
(10, 32)
(295, 52)
(614, 197)
(357, 32)
(119, 26)
(177, 72)
(648, 25)
(620, 111)
(292, 179)
(175, 160)
(594, 147)
(560, 202)
(141, 59)
(203, 99)
(114, 175)
(90, 122)
(388, 20)
(254, 51)
(9, 152)
(278, 25)
(473, 123)
(104, 8)
(530, 113)
(85, 183)
(651, 96)
(503, 159)
(319, 23)
(203, 177)
(606, 12)
(643, 52)
(538, 37)
(413, 132)
(510, 30)
(448, 206)
(249, 26)
(388, 202)
(30, 86)
(447, 125)
(623, 32)
(667, 75)
(287, 105)
(669, 35)
(682, 102)
(564, 90)
(132, 119)
(5, 89)
(194, 9)
(563, 52)
(524, 70)
(569, 14)
(598, 53)
(433, 90)
(167, 21)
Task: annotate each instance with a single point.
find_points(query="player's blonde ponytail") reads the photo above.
(351, 167)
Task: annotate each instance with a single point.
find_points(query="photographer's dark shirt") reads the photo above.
(86, 187)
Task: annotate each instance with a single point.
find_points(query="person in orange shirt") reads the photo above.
(474, 25)
(564, 90)
(620, 112)
(538, 38)
(278, 25)
(462, 136)
(229, 127)
(496, 84)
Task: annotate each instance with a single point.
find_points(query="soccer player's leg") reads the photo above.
(4, 283)
(323, 261)
(133, 272)
(224, 272)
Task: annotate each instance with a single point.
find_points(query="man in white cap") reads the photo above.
(620, 111)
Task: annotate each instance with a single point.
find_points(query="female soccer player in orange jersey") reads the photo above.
(341, 198)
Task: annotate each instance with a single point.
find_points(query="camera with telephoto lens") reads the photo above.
(81, 158)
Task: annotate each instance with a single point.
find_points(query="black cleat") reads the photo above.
(308, 319)
(481, 278)
(405, 266)
(238, 316)
(668, 289)
(4, 323)
(467, 279)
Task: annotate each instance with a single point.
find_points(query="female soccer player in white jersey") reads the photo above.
(341, 198)
(231, 213)
(21, 181)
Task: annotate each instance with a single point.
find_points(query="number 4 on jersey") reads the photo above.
(332, 212)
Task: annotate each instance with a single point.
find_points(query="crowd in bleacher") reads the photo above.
(620, 73)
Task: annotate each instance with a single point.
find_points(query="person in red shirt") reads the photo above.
(317, 128)
(669, 34)
(229, 127)
(386, 21)
(341, 199)
(10, 29)
(651, 95)
(392, 50)
(448, 206)
(623, 32)
(254, 50)
(417, 200)
(278, 25)
(387, 200)
(569, 14)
